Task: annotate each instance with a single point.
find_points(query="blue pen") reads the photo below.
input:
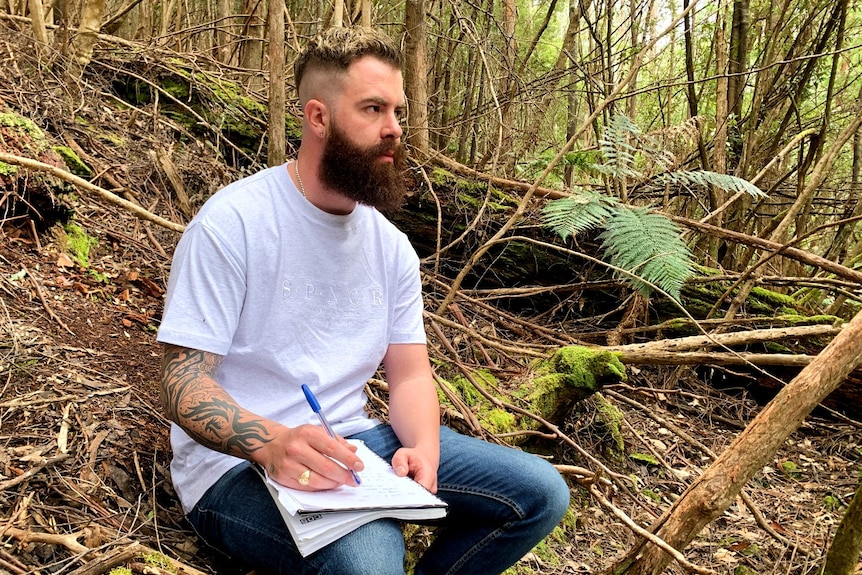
(312, 401)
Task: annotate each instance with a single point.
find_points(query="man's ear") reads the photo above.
(317, 115)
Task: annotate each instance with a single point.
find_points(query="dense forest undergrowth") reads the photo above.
(85, 484)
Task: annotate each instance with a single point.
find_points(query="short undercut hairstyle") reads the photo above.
(335, 49)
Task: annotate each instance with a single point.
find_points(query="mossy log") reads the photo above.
(573, 374)
(549, 393)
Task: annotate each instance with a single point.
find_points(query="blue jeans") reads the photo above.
(502, 502)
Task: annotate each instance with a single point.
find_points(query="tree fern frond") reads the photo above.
(647, 245)
(618, 153)
(703, 178)
(575, 214)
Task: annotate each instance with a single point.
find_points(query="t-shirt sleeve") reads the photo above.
(407, 325)
(206, 291)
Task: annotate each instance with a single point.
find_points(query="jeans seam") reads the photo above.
(512, 504)
(491, 536)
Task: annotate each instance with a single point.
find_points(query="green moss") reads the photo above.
(491, 417)
(571, 375)
(120, 571)
(292, 128)
(777, 300)
(791, 470)
(7, 169)
(831, 503)
(77, 243)
(160, 561)
(179, 89)
(645, 458)
(21, 123)
(775, 347)
(75, 164)
(499, 421)
(472, 192)
(442, 178)
(112, 139)
(824, 319)
(612, 418)
(466, 390)
(651, 495)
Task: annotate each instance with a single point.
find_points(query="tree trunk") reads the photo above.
(844, 552)
(275, 153)
(252, 39)
(416, 74)
(737, 63)
(82, 45)
(338, 14)
(366, 14)
(224, 32)
(37, 19)
(717, 488)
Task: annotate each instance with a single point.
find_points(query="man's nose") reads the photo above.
(393, 128)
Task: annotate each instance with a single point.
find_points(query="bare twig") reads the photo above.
(33, 471)
(85, 185)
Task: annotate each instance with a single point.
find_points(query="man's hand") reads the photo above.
(416, 464)
(294, 451)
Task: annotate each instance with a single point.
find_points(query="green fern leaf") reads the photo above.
(578, 213)
(703, 178)
(618, 154)
(647, 245)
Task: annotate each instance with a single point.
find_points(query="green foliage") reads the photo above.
(625, 151)
(791, 470)
(644, 458)
(577, 214)
(160, 561)
(645, 247)
(708, 179)
(78, 243)
(649, 245)
(831, 503)
(75, 164)
(639, 242)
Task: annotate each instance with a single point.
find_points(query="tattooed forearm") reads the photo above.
(193, 399)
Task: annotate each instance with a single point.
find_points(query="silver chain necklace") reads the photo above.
(298, 179)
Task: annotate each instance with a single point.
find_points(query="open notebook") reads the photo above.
(316, 518)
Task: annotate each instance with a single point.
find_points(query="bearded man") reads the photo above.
(294, 276)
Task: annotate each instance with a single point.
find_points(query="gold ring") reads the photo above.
(304, 478)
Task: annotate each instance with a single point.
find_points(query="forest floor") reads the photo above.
(85, 447)
(84, 453)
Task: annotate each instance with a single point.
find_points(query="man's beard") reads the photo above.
(357, 173)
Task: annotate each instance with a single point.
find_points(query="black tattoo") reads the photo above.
(192, 397)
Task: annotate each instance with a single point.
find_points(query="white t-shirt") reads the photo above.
(288, 294)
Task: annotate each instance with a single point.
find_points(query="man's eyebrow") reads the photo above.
(382, 102)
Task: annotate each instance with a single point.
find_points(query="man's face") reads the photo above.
(363, 157)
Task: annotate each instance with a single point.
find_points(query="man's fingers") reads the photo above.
(333, 459)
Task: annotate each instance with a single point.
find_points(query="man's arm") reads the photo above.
(414, 412)
(194, 400)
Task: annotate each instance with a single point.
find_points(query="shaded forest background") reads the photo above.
(733, 127)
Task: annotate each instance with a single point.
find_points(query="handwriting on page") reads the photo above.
(380, 488)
